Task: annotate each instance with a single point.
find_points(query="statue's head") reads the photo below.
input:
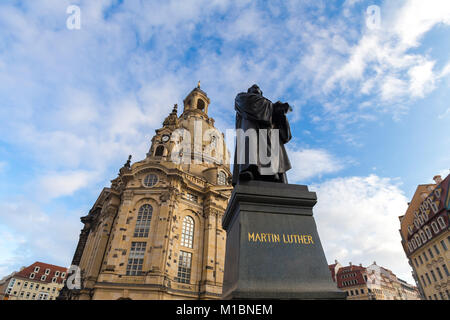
(255, 89)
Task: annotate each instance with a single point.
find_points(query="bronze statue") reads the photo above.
(258, 123)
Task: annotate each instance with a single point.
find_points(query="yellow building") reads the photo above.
(426, 238)
(156, 233)
(40, 281)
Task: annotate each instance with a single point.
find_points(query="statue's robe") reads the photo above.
(253, 111)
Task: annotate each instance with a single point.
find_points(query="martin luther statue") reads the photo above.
(262, 130)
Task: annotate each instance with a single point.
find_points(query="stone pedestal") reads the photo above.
(273, 250)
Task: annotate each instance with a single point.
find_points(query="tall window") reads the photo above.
(444, 245)
(432, 274)
(444, 266)
(435, 227)
(436, 249)
(428, 278)
(428, 231)
(222, 178)
(423, 281)
(423, 236)
(439, 273)
(136, 258)
(187, 232)
(441, 222)
(184, 267)
(159, 151)
(143, 221)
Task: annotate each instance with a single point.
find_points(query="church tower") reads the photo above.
(156, 232)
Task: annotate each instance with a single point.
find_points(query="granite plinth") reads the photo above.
(273, 250)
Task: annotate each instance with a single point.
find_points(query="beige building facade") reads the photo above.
(156, 232)
(426, 238)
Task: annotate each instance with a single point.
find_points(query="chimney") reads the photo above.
(375, 263)
(335, 261)
(437, 179)
(350, 263)
(360, 264)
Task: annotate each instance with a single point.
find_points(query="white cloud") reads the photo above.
(57, 184)
(357, 219)
(422, 79)
(381, 62)
(80, 101)
(446, 70)
(392, 88)
(33, 235)
(309, 163)
(416, 17)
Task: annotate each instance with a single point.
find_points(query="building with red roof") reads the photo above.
(371, 283)
(39, 281)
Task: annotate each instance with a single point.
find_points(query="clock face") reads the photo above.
(165, 138)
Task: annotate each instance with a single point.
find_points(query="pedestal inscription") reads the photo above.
(273, 248)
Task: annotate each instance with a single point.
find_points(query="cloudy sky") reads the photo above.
(371, 106)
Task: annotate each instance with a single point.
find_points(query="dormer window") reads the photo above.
(423, 236)
(47, 271)
(435, 227)
(43, 278)
(57, 274)
(36, 269)
(410, 229)
(441, 222)
(31, 275)
(428, 232)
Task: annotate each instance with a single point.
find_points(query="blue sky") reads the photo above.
(370, 121)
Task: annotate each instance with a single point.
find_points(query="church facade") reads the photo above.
(156, 232)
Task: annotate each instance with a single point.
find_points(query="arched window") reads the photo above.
(419, 242)
(143, 221)
(428, 232)
(441, 222)
(221, 178)
(159, 151)
(200, 104)
(437, 193)
(434, 206)
(435, 227)
(187, 232)
(423, 236)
